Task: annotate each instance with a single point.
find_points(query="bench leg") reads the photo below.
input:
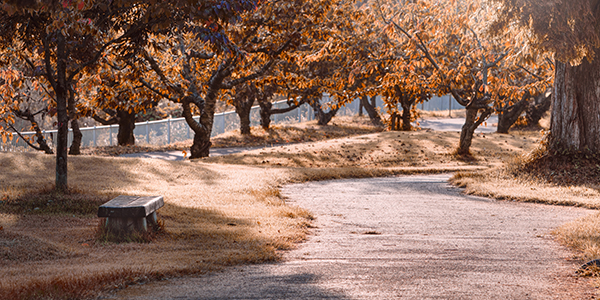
(126, 224)
(152, 219)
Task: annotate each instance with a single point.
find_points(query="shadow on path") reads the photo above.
(411, 237)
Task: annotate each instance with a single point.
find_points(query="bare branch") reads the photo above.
(156, 91)
(531, 73)
(24, 138)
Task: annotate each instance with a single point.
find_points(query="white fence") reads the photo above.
(174, 130)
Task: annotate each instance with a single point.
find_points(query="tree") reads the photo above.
(321, 61)
(63, 39)
(118, 98)
(569, 30)
(243, 98)
(22, 98)
(466, 62)
(391, 69)
(216, 69)
(266, 94)
(54, 39)
(259, 42)
(510, 109)
(537, 109)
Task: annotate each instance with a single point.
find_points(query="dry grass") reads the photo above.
(500, 184)
(214, 216)
(276, 135)
(557, 179)
(219, 211)
(582, 235)
(422, 148)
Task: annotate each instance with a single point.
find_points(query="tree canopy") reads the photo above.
(61, 40)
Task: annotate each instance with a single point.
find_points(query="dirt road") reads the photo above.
(412, 237)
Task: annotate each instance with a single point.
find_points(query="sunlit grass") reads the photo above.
(214, 216)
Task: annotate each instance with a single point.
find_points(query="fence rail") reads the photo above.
(172, 130)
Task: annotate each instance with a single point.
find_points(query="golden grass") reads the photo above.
(276, 135)
(219, 211)
(214, 216)
(510, 182)
(582, 235)
(500, 184)
(422, 148)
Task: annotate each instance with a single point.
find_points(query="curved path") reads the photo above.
(410, 237)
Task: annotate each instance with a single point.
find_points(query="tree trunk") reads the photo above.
(62, 93)
(406, 126)
(537, 111)
(371, 110)
(201, 146)
(77, 136)
(510, 115)
(323, 117)
(126, 122)
(360, 106)
(203, 129)
(243, 107)
(576, 107)
(265, 114)
(468, 129)
(407, 103)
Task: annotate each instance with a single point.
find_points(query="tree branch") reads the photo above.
(154, 90)
(102, 121)
(24, 138)
(156, 68)
(262, 70)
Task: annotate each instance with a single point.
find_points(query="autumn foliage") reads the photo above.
(115, 60)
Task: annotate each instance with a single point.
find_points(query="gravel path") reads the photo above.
(412, 237)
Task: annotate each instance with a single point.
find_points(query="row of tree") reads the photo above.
(115, 59)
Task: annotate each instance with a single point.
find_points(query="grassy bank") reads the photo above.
(219, 211)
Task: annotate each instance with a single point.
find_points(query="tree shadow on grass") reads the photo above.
(195, 241)
(210, 222)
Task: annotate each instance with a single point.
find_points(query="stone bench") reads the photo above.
(130, 213)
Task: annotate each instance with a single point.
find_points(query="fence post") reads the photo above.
(147, 133)
(110, 134)
(94, 134)
(168, 131)
(449, 105)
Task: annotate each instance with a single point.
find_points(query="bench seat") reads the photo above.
(130, 213)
